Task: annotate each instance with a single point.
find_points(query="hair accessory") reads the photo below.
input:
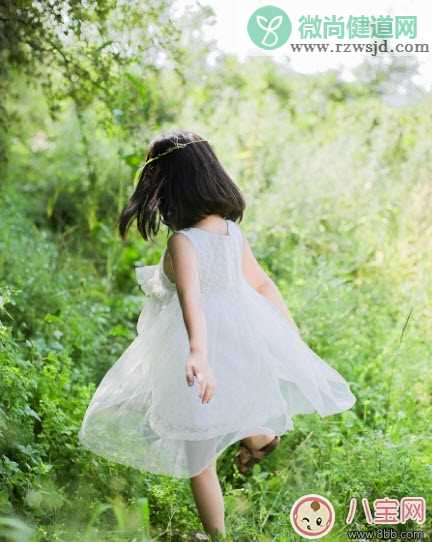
(176, 146)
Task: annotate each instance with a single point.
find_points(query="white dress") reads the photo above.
(144, 414)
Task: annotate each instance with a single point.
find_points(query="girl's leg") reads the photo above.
(208, 497)
(252, 445)
(257, 441)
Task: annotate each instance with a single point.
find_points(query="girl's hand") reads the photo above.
(197, 367)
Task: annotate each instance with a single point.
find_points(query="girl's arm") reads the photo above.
(263, 284)
(184, 267)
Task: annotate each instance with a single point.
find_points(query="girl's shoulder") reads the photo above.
(176, 240)
(202, 237)
(186, 232)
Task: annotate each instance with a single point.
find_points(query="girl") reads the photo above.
(218, 358)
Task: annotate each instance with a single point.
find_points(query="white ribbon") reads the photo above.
(150, 281)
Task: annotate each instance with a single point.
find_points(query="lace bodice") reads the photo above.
(219, 257)
(219, 262)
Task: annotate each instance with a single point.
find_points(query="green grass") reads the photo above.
(338, 194)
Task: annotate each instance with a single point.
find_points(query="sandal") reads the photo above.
(246, 458)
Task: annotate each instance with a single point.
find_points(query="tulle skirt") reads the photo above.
(144, 414)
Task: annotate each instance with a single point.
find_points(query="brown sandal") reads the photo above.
(246, 465)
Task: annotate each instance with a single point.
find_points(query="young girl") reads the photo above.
(218, 358)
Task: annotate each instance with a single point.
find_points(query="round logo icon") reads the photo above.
(269, 27)
(312, 516)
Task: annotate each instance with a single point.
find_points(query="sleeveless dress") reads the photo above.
(144, 414)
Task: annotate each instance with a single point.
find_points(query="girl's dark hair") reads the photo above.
(180, 188)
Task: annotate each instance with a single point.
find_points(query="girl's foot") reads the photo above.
(216, 537)
(247, 457)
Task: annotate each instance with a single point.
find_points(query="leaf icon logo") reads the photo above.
(269, 28)
(275, 24)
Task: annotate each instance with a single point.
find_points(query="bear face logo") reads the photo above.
(312, 516)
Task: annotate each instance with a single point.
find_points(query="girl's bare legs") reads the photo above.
(208, 497)
(254, 444)
(257, 441)
(207, 491)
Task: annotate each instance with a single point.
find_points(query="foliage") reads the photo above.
(338, 191)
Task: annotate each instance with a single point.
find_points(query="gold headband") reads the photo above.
(177, 146)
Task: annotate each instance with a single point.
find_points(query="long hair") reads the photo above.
(179, 187)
